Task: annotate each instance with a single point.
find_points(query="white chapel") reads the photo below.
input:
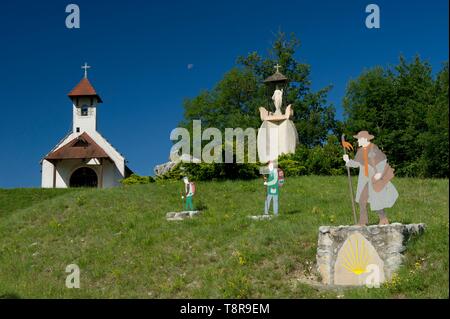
(83, 158)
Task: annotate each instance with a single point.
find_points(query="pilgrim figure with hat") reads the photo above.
(374, 186)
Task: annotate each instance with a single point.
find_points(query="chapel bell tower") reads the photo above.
(85, 100)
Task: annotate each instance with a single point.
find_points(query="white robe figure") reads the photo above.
(277, 98)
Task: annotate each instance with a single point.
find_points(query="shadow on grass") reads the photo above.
(10, 296)
(200, 205)
(292, 212)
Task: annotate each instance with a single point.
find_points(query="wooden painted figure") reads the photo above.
(189, 190)
(272, 184)
(374, 186)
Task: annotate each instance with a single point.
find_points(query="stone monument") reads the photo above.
(277, 134)
(358, 255)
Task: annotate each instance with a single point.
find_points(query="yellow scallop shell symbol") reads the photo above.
(356, 256)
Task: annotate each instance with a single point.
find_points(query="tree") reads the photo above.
(435, 140)
(235, 100)
(405, 108)
(232, 103)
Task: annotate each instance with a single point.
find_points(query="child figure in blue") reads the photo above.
(272, 189)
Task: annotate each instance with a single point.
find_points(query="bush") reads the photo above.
(327, 160)
(176, 173)
(291, 167)
(135, 179)
(319, 160)
(212, 171)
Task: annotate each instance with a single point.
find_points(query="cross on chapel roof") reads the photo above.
(85, 67)
(84, 88)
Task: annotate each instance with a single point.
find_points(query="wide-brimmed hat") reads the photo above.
(364, 134)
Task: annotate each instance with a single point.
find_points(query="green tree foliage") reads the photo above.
(318, 160)
(407, 111)
(435, 140)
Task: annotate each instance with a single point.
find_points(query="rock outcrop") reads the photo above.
(162, 169)
(181, 215)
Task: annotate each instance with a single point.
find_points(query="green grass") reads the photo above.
(14, 199)
(126, 249)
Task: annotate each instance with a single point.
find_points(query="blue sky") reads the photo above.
(139, 52)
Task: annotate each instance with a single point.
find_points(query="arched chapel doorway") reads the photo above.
(83, 177)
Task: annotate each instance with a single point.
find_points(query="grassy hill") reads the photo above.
(126, 249)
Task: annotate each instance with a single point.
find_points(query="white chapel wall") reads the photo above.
(47, 174)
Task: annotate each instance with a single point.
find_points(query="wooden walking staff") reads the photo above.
(182, 200)
(347, 146)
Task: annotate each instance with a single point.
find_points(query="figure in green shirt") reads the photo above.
(189, 189)
(272, 190)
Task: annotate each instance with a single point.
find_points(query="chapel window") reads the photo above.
(84, 110)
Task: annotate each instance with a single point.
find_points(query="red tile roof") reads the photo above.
(81, 147)
(84, 88)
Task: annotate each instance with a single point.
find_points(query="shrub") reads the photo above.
(176, 173)
(135, 179)
(319, 160)
(212, 171)
(291, 167)
(218, 171)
